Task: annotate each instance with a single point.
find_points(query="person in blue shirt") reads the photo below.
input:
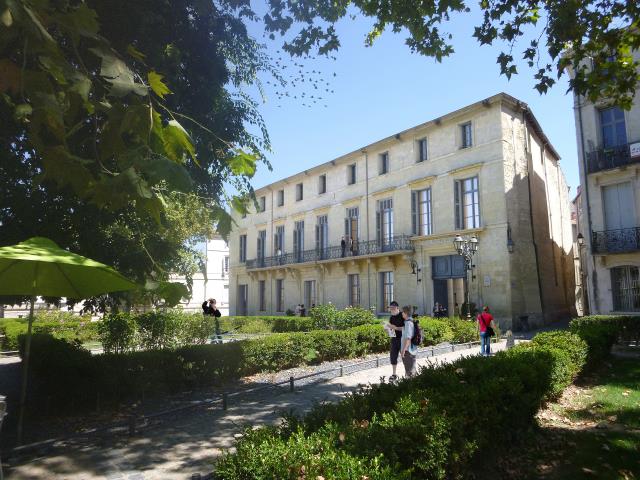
(408, 350)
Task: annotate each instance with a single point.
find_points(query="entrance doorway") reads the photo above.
(448, 282)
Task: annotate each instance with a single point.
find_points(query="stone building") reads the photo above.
(486, 170)
(608, 141)
(215, 284)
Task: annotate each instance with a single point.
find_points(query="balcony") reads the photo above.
(608, 158)
(400, 243)
(616, 241)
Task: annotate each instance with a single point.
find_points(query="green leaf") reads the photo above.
(116, 72)
(157, 85)
(23, 111)
(82, 21)
(135, 53)
(6, 18)
(223, 221)
(177, 142)
(243, 163)
(171, 292)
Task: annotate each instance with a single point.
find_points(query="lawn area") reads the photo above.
(592, 431)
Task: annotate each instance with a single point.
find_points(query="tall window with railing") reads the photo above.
(613, 127)
(278, 241)
(351, 229)
(298, 240)
(243, 249)
(322, 236)
(384, 222)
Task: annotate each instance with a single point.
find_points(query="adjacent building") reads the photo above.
(378, 224)
(608, 139)
(214, 282)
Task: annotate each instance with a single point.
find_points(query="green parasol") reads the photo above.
(39, 267)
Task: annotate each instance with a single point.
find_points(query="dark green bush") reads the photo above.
(435, 425)
(118, 333)
(435, 331)
(463, 330)
(600, 332)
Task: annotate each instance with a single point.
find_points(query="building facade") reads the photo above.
(378, 223)
(215, 284)
(608, 140)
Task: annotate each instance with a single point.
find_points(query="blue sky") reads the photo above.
(380, 90)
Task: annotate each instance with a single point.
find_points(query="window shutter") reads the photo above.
(295, 240)
(414, 213)
(457, 205)
(379, 227)
(317, 238)
(347, 232)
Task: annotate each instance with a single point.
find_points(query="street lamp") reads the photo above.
(466, 248)
(581, 239)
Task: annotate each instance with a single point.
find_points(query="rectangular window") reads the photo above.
(467, 138)
(262, 288)
(298, 241)
(225, 265)
(243, 300)
(322, 184)
(261, 246)
(262, 204)
(354, 289)
(309, 294)
(625, 286)
(279, 295)
(351, 174)
(384, 163)
(422, 150)
(278, 241)
(421, 212)
(386, 290)
(351, 230)
(299, 192)
(243, 248)
(614, 130)
(322, 237)
(467, 203)
(384, 222)
(280, 198)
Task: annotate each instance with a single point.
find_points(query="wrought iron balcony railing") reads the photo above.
(608, 158)
(371, 247)
(616, 241)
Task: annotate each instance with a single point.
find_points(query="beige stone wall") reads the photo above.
(506, 282)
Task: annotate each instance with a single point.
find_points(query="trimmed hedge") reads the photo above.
(60, 324)
(435, 425)
(124, 374)
(602, 331)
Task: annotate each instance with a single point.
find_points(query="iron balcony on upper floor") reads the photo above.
(396, 244)
(613, 157)
(623, 240)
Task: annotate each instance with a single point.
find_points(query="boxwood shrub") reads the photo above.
(436, 425)
(59, 324)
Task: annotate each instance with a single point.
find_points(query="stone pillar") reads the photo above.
(450, 297)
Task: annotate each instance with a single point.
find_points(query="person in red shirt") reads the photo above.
(485, 319)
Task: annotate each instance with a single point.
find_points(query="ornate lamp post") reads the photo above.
(466, 247)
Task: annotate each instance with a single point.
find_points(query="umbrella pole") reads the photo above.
(25, 370)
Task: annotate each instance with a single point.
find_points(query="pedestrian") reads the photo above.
(298, 310)
(303, 311)
(209, 308)
(408, 350)
(436, 310)
(343, 246)
(396, 322)
(485, 324)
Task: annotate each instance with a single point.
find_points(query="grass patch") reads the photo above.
(593, 431)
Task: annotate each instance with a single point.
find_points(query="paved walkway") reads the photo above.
(189, 442)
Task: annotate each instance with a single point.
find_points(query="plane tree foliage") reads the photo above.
(594, 38)
(122, 122)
